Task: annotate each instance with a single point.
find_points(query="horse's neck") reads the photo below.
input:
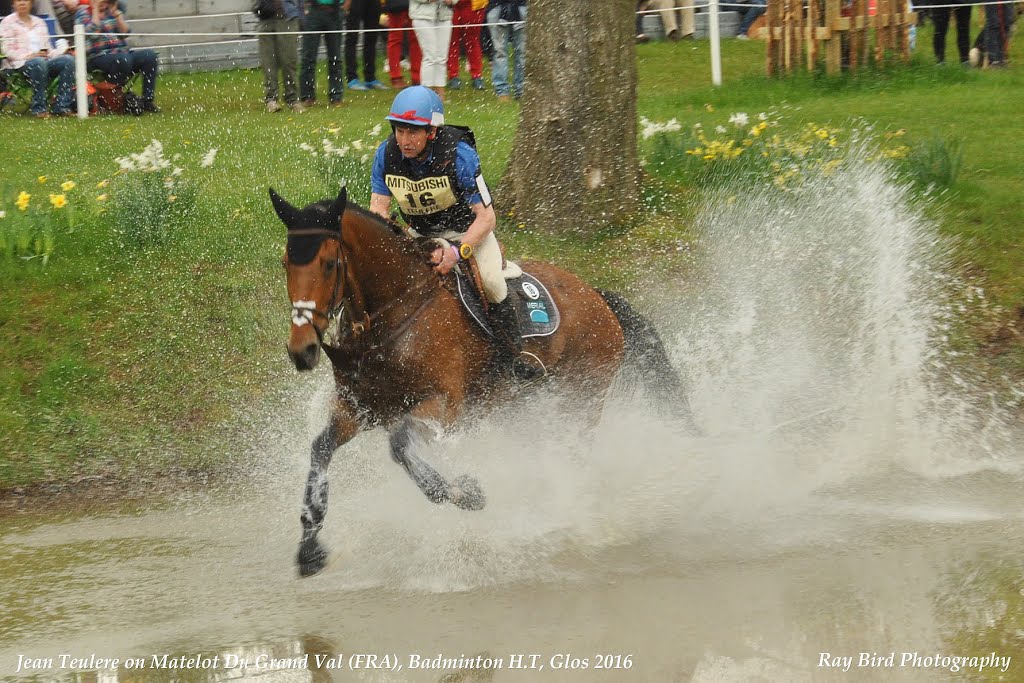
(381, 267)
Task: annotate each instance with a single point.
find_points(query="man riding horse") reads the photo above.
(432, 171)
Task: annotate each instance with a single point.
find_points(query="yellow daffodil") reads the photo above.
(709, 107)
(22, 202)
(101, 198)
(171, 198)
(41, 179)
(59, 201)
(103, 183)
(67, 185)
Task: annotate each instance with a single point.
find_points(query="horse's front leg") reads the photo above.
(413, 435)
(342, 426)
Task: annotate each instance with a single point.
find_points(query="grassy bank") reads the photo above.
(132, 350)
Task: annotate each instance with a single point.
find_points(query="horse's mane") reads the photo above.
(409, 246)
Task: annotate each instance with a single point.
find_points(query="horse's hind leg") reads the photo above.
(312, 555)
(413, 435)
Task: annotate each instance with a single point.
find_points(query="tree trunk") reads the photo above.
(574, 159)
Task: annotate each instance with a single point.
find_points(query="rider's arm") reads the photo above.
(483, 223)
(475, 192)
(380, 204)
(380, 195)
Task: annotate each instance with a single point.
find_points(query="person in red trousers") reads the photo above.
(469, 14)
(399, 30)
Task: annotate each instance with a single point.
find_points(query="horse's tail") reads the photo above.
(647, 359)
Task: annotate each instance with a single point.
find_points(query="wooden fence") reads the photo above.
(843, 33)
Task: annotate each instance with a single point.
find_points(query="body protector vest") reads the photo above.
(428, 194)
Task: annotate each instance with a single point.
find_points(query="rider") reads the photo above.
(433, 173)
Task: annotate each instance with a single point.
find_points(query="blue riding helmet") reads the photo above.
(417, 105)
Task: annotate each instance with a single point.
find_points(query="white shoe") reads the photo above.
(273, 106)
(974, 56)
(297, 107)
(742, 36)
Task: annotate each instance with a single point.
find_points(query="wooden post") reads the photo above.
(833, 47)
(812, 37)
(772, 22)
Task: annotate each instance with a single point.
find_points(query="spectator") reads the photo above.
(432, 20)
(676, 27)
(279, 53)
(993, 41)
(509, 42)
(940, 17)
(322, 15)
(26, 43)
(64, 12)
(365, 14)
(749, 11)
(399, 23)
(466, 20)
(108, 52)
(641, 37)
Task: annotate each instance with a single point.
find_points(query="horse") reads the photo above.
(407, 357)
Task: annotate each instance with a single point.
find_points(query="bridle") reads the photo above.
(360, 321)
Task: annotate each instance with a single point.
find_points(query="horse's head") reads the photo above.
(315, 264)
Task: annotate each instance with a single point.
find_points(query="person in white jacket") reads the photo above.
(432, 21)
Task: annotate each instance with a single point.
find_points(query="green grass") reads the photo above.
(129, 355)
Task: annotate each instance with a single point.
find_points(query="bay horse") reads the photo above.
(408, 358)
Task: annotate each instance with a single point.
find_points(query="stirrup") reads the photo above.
(526, 372)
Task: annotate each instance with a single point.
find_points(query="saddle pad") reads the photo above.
(538, 315)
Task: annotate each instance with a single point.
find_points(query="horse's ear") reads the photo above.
(340, 203)
(285, 211)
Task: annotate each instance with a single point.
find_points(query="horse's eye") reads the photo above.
(329, 266)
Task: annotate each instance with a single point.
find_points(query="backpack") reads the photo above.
(109, 98)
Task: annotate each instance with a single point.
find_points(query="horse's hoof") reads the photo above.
(312, 558)
(465, 493)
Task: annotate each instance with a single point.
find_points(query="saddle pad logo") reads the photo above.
(531, 290)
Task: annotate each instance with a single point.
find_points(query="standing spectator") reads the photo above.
(399, 24)
(108, 52)
(509, 41)
(676, 27)
(940, 17)
(749, 11)
(26, 44)
(994, 39)
(322, 15)
(432, 20)
(363, 19)
(466, 20)
(279, 52)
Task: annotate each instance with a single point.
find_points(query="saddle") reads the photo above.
(538, 315)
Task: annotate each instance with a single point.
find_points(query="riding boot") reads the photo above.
(510, 339)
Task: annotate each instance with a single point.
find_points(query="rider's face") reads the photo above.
(412, 140)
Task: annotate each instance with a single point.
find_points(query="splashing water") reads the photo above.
(813, 352)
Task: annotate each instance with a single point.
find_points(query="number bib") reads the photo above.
(421, 197)
(429, 195)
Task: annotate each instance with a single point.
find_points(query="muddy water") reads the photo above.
(854, 505)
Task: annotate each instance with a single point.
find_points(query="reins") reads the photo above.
(359, 324)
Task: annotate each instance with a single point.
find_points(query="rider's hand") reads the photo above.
(444, 259)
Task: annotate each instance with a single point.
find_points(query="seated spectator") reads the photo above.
(26, 43)
(108, 52)
(64, 12)
(749, 11)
